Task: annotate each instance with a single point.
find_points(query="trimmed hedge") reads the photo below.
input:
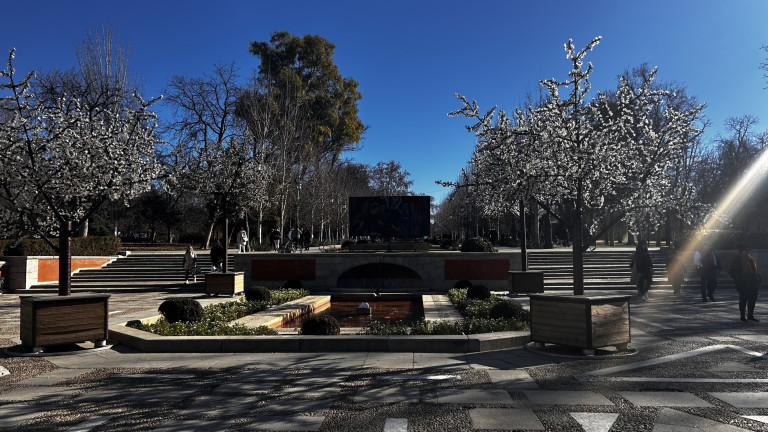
(81, 246)
(478, 292)
(509, 310)
(321, 325)
(257, 293)
(184, 309)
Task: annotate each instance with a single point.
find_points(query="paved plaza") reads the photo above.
(697, 367)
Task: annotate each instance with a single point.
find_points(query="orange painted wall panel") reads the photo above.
(48, 269)
(479, 269)
(302, 269)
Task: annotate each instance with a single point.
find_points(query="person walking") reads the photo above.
(190, 264)
(747, 278)
(675, 271)
(242, 241)
(295, 236)
(641, 260)
(708, 267)
(306, 238)
(217, 257)
(274, 238)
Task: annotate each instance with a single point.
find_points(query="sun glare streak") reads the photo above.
(729, 206)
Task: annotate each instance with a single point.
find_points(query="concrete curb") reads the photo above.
(148, 342)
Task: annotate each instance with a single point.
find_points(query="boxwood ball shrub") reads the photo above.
(321, 325)
(476, 244)
(181, 310)
(509, 310)
(478, 292)
(257, 293)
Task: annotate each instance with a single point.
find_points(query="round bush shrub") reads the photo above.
(257, 293)
(476, 244)
(321, 325)
(181, 310)
(509, 310)
(478, 292)
(462, 284)
(292, 283)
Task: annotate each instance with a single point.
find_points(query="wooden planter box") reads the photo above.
(523, 282)
(229, 283)
(57, 320)
(585, 322)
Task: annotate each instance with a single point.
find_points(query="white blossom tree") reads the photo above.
(585, 159)
(60, 162)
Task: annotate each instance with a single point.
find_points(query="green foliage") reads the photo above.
(478, 292)
(441, 328)
(181, 310)
(81, 246)
(457, 295)
(509, 310)
(257, 293)
(216, 318)
(321, 325)
(476, 244)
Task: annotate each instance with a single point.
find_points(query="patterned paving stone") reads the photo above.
(732, 367)
(259, 375)
(310, 392)
(161, 394)
(297, 405)
(53, 377)
(244, 388)
(193, 426)
(38, 393)
(281, 423)
(573, 397)
(396, 425)
(670, 420)
(595, 422)
(504, 419)
(89, 424)
(743, 399)
(388, 395)
(13, 414)
(472, 396)
(513, 378)
(220, 406)
(664, 399)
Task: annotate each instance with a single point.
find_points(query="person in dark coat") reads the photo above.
(747, 278)
(708, 266)
(217, 257)
(306, 238)
(641, 260)
(275, 239)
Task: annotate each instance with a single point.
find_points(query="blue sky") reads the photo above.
(410, 57)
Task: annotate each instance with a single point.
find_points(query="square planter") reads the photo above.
(585, 322)
(229, 283)
(523, 282)
(56, 320)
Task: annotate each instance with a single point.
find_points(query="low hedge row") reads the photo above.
(81, 246)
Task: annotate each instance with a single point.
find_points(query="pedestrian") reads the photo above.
(190, 264)
(306, 238)
(747, 278)
(708, 267)
(274, 238)
(242, 241)
(295, 236)
(641, 261)
(675, 271)
(217, 257)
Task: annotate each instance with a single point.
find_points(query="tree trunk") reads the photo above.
(65, 259)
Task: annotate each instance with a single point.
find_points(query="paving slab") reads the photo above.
(663, 399)
(297, 405)
(52, 378)
(504, 419)
(284, 423)
(102, 395)
(472, 396)
(309, 392)
(220, 406)
(441, 360)
(512, 378)
(89, 424)
(388, 395)
(193, 426)
(259, 375)
(160, 394)
(38, 393)
(396, 425)
(595, 422)
(14, 414)
(743, 399)
(670, 420)
(569, 397)
(389, 360)
(733, 367)
(244, 388)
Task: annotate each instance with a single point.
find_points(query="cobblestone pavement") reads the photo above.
(697, 368)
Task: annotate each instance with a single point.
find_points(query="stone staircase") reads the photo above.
(607, 269)
(138, 272)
